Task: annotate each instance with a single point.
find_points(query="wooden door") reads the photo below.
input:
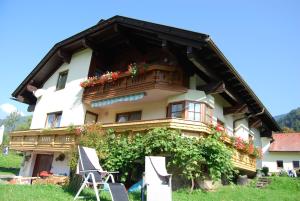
(43, 162)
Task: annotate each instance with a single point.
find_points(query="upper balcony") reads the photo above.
(154, 77)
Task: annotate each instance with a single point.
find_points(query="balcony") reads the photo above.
(244, 161)
(54, 140)
(155, 77)
(61, 139)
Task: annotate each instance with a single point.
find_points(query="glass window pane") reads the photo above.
(191, 107)
(296, 164)
(122, 118)
(176, 114)
(50, 120)
(197, 107)
(90, 118)
(197, 116)
(135, 116)
(58, 118)
(62, 79)
(176, 107)
(191, 116)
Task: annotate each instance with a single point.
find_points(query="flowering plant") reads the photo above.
(239, 144)
(91, 81)
(132, 69)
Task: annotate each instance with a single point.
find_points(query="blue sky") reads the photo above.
(260, 38)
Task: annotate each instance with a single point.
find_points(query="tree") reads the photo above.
(24, 125)
(11, 120)
(291, 120)
(288, 130)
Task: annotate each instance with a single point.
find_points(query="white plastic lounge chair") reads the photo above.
(88, 166)
(157, 179)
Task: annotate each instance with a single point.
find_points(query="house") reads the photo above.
(160, 76)
(282, 152)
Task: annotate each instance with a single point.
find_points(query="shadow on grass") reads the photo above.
(89, 194)
(4, 170)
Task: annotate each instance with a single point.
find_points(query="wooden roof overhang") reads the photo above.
(197, 51)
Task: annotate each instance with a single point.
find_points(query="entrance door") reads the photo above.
(43, 162)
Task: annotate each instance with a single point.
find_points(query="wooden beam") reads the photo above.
(238, 109)
(20, 98)
(65, 56)
(31, 88)
(255, 123)
(196, 61)
(166, 48)
(30, 108)
(88, 44)
(213, 88)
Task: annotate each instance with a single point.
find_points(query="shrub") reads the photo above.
(265, 170)
(283, 173)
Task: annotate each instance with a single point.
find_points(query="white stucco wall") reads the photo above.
(193, 95)
(27, 166)
(150, 110)
(67, 100)
(61, 167)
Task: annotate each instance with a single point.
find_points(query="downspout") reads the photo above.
(247, 117)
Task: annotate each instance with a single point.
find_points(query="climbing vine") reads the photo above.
(119, 152)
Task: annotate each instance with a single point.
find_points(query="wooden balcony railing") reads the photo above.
(53, 140)
(155, 77)
(62, 139)
(244, 161)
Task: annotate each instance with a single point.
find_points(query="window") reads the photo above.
(129, 116)
(279, 164)
(176, 110)
(296, 164)
(62, 79)
(90, 117)
(193, 111)
(53, 120)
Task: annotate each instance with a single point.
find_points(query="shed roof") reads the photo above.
(286, 142)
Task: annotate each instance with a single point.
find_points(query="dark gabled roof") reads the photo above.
(286, 142)
(51, 62)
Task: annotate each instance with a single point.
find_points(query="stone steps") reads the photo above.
(263, 182)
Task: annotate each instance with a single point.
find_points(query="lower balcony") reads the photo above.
(64, 139)
(54, 140)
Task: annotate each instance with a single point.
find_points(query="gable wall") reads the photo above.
(67, 100)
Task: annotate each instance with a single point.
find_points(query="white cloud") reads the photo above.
(9, 108)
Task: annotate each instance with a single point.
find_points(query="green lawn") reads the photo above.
(281, 189)
(10, 164)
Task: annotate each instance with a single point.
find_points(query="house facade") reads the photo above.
(282, 152)
(159, 76)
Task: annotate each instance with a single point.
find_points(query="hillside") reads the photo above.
(290, 120)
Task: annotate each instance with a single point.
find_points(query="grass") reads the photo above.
(10, 164)
(281, 189)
